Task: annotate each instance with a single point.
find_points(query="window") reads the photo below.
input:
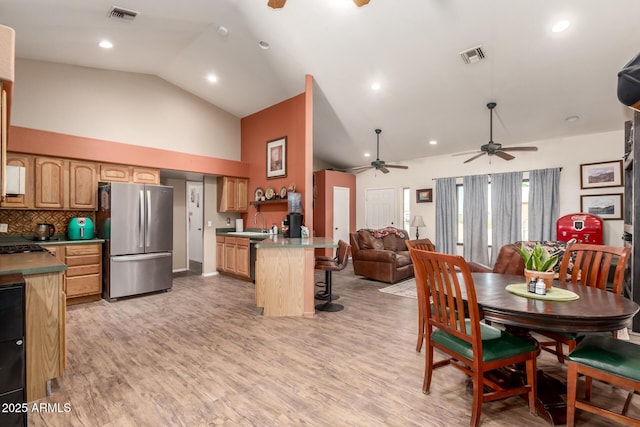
(525, 211)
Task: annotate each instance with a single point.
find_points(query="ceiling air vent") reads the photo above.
(472, 55)
(122, 14)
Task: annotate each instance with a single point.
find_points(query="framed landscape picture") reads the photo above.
(606, 206)
(600, 175)
(424, 196)
(277, 158)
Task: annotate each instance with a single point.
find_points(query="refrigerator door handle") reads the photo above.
(141, 220)
(148, 241)
(127, 258)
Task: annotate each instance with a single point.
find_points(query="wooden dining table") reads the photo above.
(595, 311)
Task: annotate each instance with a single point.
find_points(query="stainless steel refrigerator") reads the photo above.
(136, 222)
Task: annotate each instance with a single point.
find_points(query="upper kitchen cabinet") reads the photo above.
(83, 185)
(21, 201)
(49, 180)
(121, 173)
(232, 194)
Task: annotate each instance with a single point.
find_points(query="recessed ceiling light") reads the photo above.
(572, 119)
(222, 31)
(433, 142)
(367, 155)
(212, 78)
(560, 26)
(105, 44)
(375, 86)
(264, 45)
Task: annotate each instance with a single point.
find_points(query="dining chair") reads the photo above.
(469, 345)
(587, 265)
(423, 245)
(606, 359)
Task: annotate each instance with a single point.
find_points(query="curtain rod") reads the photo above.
(462, 176)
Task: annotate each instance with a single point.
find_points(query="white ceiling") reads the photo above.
(538, 78)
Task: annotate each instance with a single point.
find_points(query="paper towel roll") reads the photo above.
(239, 225)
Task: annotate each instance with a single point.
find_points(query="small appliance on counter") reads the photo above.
(43, 231)
(294, 217)
(80, 228)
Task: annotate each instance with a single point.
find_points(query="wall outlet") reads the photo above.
(209, 224)
(4, 228)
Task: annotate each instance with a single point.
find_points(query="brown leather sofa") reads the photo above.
(508, 261)
(385, 259)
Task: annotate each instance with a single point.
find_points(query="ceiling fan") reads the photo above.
(378, 164)
(277, 4)
(493, 148)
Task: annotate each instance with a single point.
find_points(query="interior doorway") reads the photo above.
(341, 214)
(195, 208)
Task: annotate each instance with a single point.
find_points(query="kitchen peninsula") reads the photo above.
(285, 274)
(45, 316)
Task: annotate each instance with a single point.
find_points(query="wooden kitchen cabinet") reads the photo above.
(232, 256)
(83, 278)
(145, 176)
(83, 185)
(122, 173)
(233, 194)
(21, 201)
(49, 183)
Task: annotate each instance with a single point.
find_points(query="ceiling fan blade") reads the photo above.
(397, 166)
(475, 157)
(276, 4)
(361, 3)
(504, 156)
(519, 148)
(361, 168)
(466, 153)
(383, 169)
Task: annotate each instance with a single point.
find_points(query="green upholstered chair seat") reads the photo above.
(605, 353)
(496, 344)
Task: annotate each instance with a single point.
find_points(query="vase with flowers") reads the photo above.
(538, 263)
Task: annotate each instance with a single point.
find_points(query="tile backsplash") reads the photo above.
(24, 222)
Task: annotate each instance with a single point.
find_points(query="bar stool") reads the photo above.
(329, 266)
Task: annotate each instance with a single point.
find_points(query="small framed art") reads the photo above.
(601, 175)
(424, 196)
(277, 158)
(606, 206)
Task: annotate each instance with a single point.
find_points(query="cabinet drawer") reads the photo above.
(82, 249)
(83, 285)
(83, 270)
(81, 260)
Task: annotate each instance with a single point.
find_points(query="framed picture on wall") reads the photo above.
(606, 206)
(277, 158)
(424, 196)
(601, 175)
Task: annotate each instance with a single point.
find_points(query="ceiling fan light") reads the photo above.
(361, 3)
(276, 4)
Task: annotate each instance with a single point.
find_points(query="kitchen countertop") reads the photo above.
(279, 242)
(30, 263)
(57, 239)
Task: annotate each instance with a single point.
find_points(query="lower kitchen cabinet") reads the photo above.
(232, 256)
(83, 278)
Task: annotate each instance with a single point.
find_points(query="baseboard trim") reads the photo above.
(215, 273)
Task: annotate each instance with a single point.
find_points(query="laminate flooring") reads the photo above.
(203, 355)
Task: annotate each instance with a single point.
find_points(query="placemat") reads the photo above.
(553, 294)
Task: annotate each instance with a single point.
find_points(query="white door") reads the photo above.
(341, 211)
(194, 220)
(380, 208)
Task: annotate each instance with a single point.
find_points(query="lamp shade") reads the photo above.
(417, 221)
(7, 53)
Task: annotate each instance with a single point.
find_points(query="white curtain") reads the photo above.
(506, 210)
(543, 203)
(446, 216)
(475, 214)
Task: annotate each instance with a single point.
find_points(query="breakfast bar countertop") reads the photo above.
(58, 239)
(279, 242)
(30, 263)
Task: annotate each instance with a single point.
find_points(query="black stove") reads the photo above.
(21, 249)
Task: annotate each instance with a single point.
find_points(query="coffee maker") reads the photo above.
(295, 214)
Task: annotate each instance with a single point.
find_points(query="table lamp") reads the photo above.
(417, 222)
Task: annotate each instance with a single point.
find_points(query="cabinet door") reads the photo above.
(146, 176)
(24, 201)
(115, 173)
(230, 194)
(242, 195)
(242, 257)
(220, 253)
(83, 186)
(49, 182)
(230, 254)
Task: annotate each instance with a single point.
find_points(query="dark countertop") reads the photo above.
(30, 263)
(57, 239)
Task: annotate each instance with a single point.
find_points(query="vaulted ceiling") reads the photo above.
(410, 48)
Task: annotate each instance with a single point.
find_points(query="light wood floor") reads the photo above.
(202, 355)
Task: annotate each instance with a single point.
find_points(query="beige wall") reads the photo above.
(179, 221)
(567, 153)
(132, 108)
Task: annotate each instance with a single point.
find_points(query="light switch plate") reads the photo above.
(209, 224)
(4, 228)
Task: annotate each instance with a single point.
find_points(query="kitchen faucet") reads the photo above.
(255, 220)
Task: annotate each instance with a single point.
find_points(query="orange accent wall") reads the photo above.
(34, 141)
(323, 212)
(286, 118)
